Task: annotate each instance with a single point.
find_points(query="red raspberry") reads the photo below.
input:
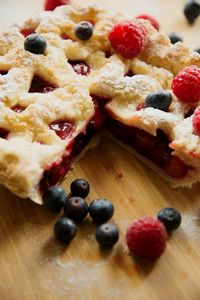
(186, 85)
(196, 121)
(129, 38)
(52, 4)
(146, 238)
(151, 19)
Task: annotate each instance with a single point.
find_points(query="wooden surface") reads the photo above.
(35, 266)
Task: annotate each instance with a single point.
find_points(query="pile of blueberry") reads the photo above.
(76, 210)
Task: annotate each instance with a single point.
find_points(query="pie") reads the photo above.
(52, 105)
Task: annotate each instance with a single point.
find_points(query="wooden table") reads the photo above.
(35, 266)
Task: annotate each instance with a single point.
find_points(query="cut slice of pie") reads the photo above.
(52, 104)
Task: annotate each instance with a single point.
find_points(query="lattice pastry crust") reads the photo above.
(30, 146)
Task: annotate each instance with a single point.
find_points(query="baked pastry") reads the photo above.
(55, 100)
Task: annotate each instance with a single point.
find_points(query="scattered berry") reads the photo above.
(35, 43)
(196, 121)
(101, 210)
(197, 50)
(76, 208)
(80, 188)
(55, 199)
(159, 99)
(107, 235)
(175, 38)
(129, 38)
(151, 19)
(191, 10)
(65, 230)
(146, 238)
(186, 85)
(52, 4)
(84, 30)
(175, 167)
(170, 217)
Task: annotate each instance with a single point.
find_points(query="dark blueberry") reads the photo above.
(197, 50)
(65, 230)
(80, 188)
(170, 217)
(101, 210)
(76, 208)
(107, 235)
(84, 30)
(159, 99)
(191, 10)
(175, 38)
(35, 43)
(55, 199)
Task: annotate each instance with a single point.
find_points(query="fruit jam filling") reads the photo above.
(80, 67)
(155, 148)
(40, 85)
(57, 171)
(27, 31)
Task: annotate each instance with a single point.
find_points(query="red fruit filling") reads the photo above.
(63, 129)
(18, 108)
(155, 148)
(140, 106)
(65, 37)
(57, 171)
(80, 67)
(3, 133)
(40, 85)
(27, 31)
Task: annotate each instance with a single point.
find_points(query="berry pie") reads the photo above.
(68, 74)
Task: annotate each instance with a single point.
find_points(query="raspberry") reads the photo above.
(196, 121)
(151, 19)
(146, 238)
(129, 38)
(186, 85)
(52, 4)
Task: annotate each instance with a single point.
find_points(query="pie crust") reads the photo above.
(29, 144)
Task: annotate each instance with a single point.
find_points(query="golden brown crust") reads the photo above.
(23, 157)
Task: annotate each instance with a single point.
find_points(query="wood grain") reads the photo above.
(35, 266)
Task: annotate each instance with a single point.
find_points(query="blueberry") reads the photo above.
(159, 99)
(101, 210)
(76, 208)
(107, 235)
(197, 50)
(35, 43)
(174, 38)
(80, 188)
(55, 199)
(170, 217)
(191, 10)
(65, 230)
(84, 30)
